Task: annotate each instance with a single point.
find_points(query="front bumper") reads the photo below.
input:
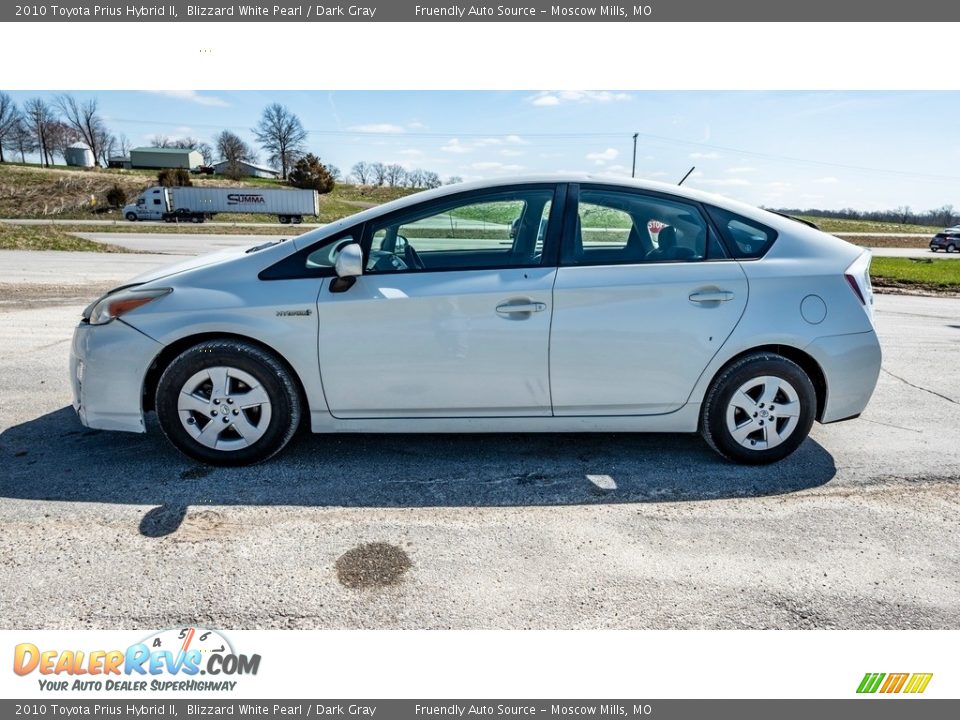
(107, 366)
(851, 366)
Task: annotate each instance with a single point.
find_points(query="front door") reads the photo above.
(452, 315)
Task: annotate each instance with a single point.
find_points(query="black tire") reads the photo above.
(270, 372)
(713, 417)
(951, 248)
(284, 219)
(132, 217)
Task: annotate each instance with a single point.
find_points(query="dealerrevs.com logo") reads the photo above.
(180, 659)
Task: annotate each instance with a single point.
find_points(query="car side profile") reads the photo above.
(947, 240)
(545, 304)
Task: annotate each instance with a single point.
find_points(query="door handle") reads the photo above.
(528, 307)
(711, 296)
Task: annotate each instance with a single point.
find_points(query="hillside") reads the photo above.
(29, 191)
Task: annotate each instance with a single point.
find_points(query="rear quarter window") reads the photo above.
(744, 238)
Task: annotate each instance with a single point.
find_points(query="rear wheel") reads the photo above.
(951, 248)
(284, 219)
(759, 409)
(226, 402)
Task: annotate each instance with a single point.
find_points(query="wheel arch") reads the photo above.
(806, 362)
(171, 351)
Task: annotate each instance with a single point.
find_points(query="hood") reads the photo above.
(214, 258)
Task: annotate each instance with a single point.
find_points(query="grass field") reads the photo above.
(29, 191)
(48, 237)
(842, 225)
(931, 275)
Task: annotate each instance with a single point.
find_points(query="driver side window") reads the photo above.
(494, 231)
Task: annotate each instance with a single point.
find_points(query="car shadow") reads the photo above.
(53, 458)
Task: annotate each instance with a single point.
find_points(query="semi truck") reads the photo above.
(196, 204)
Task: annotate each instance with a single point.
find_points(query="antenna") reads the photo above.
(687, 175)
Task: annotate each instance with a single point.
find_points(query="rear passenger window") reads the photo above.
(745, 238)
(622, 228)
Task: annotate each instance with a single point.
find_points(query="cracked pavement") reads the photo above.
(858, 529)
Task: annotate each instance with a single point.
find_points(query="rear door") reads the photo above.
(644, 299)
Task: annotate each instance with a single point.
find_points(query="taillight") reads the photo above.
(858, 278)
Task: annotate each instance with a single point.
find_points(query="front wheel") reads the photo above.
(226, 402)
(132, 217)
(759, 409)
(951, 248)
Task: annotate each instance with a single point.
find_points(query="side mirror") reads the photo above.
(350, 261)
(349, 267)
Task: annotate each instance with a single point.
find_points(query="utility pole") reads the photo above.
(633, 171)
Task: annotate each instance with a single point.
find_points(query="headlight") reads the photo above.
(120, 303)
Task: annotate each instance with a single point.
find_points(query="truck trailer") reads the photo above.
(196, 204)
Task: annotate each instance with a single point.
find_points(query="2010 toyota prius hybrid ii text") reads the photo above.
(551, 304)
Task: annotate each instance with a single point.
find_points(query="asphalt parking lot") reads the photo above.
(859, 529)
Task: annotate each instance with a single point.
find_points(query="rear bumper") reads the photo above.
(851, 366)
(107, 366)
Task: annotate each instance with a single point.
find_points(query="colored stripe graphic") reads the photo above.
(918, 683)
(894, 682)
(870, 682)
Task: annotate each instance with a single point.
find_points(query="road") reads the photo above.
(859, 529)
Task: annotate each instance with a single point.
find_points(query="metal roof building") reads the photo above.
(248, 169)
(153, 157)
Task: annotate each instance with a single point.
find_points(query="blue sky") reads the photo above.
(866, 150)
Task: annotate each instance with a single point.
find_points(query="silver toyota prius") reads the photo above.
(544, 304)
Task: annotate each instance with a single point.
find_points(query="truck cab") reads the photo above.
(150, 205)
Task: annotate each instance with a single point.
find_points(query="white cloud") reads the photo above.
(376, 128)
(829, 180)
(549, 98)
(496, 166)
(192, 96)
(415, 125)
(725, 182)
(603, 156)
(511, 153)
(455, 146)
(704, 156)
(741, 169)
(515, 140)
(411, 152)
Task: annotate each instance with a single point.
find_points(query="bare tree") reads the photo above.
(9, 118)
(335, 172)
(431, 180)
(395, 174)
(281, 134)
(85, 120)
(453, 180)
(39, 116)
(378, 173)
(414, 178)
(59, 136)
(233, 150)
(22, 139)
(123, 145)
(361, 172)
(160, 141)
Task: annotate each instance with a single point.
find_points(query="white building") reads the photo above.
(78, 155)
(248, 169)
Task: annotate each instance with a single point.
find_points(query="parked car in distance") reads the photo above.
(947, 239)
(546, 304)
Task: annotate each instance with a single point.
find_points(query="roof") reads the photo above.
(264, 168)
(79, 146)
(169, 151)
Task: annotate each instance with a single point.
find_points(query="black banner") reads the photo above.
(514, 11)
